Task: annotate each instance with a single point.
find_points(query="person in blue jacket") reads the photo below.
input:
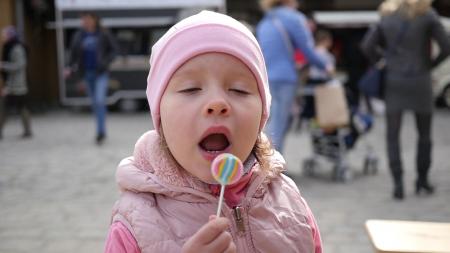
(283, 30)
(92, 51)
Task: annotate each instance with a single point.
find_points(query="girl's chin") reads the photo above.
(209, 180)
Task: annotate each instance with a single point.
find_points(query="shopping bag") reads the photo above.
(371, 83)
(331, 105)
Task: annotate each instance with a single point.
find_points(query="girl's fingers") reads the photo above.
(221, 243)
(211, 230)
(231, 248)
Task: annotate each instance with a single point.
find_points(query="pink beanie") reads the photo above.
(202, 33)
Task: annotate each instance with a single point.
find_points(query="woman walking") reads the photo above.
(404, 34)
(283, 30)
(13, 67)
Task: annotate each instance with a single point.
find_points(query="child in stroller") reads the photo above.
(334, 143)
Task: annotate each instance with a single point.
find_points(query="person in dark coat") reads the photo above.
(13, 67)
(405, 32)
(91, 52)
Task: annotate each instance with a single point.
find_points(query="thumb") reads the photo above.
(212, 217)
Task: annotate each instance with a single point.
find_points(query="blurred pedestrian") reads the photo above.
(324, 42)
(282, 30)
(208, 94)
(92, 50)
(13, 67)
(404, 35)
(316, 75)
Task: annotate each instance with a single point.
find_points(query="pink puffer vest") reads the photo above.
(163, 206)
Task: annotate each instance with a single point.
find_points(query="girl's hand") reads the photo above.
(211, 238)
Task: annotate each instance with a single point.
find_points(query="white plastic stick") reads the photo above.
(222, 190)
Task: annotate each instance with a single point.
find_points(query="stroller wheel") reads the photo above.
(342, 173)
(309, 165)
(370, 166)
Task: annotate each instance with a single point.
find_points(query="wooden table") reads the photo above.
(409, 236)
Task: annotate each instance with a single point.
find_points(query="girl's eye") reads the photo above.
(240, 91)
(190, 90)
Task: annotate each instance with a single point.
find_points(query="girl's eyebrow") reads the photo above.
(242, 75)
(186, 71)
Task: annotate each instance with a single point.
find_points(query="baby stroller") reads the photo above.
(334, 144)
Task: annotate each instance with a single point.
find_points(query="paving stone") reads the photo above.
(57, 189)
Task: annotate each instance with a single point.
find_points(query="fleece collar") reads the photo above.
(151, 170)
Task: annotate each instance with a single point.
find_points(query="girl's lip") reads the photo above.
(209, 156)
(216, 130)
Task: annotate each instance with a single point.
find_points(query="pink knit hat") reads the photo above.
(202, 33)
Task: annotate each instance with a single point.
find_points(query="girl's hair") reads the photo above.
(407, 8)
(262, 150)
(269, 4)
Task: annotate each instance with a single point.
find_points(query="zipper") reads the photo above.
(238, 220)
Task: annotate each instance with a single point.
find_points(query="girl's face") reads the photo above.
(211, 106)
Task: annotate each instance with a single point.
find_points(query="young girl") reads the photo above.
(208, 94)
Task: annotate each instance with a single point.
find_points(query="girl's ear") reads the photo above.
(161, 137)
(163, 143)
(160, 132)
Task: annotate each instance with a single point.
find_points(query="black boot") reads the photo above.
(398, 190)
(26, 121)
(423, 162)
(398, 193)
(422, 183)
(424, 186)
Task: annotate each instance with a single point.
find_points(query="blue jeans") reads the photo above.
(283, 95)
(97, 87)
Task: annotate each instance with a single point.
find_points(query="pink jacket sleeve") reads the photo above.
(120, 240)
(315, 229)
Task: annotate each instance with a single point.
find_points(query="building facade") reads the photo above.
(33, 17)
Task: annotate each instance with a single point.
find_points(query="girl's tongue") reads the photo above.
(214, 142)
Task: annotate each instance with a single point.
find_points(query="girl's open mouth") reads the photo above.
(214, 143)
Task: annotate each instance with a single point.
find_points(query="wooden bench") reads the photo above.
(395, 236)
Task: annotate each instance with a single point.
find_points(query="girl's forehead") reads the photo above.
(219, 65)
(207, 57)
(212, 60)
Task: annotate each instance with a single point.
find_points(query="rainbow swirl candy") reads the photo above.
(227, 169)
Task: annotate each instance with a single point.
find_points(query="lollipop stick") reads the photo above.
(222, 190)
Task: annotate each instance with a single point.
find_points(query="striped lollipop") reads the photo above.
(226, 169)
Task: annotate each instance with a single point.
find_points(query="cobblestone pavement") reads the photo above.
(57, 189)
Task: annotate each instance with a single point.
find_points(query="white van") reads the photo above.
(441, 76)
(344, 23)
(136, 25)
(441, 83)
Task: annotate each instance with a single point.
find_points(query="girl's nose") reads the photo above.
(217, 106)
